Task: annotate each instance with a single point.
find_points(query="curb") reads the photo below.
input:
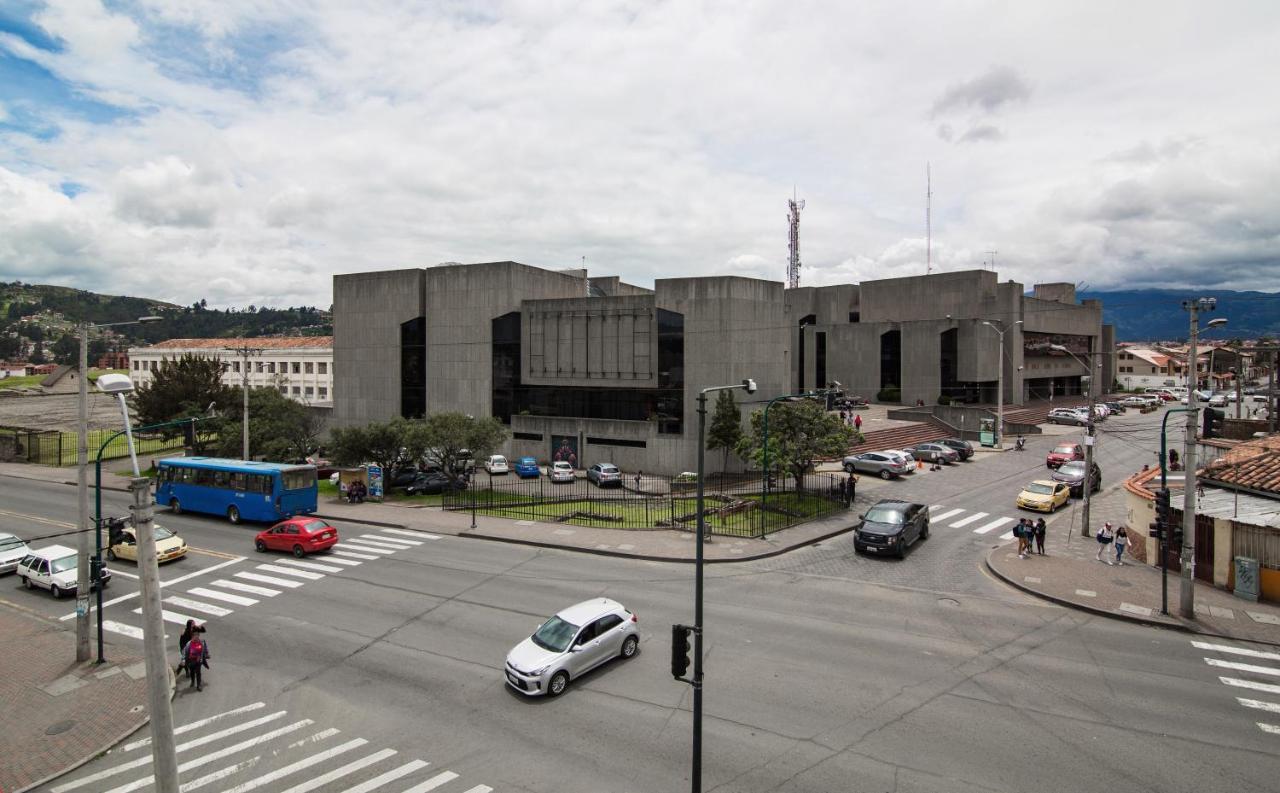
(367, 522)
(1152, 623)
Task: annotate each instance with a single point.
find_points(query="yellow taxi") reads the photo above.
(1044, 496)
(169, 546)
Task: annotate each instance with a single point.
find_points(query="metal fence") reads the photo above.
(51, 447)
(735, 505)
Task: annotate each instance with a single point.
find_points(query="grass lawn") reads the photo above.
(22, 381)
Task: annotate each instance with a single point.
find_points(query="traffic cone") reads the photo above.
(919, 464)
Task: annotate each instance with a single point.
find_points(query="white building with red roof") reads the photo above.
(300, 367)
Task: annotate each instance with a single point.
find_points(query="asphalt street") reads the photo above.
(825, 671)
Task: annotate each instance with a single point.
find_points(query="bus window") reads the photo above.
(298, 480)
(204, 477)
(238, 481)
(221, 479)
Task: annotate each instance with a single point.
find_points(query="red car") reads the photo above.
(1064, 452)
(300, 535)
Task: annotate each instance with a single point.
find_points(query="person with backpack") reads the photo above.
(1041, 529)
(1022, 531)
(196, 657)
(1104, 537)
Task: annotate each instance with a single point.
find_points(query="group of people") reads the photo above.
(1118, 537)
(1030, 534)
(852, 419)
(357, 492)
(193, 654)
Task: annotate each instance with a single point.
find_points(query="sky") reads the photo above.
(245, 151)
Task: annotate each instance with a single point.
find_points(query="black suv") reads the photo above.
(1072, 473)
(964, 448)
(890, 526)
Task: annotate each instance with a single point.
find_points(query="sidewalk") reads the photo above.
(60, 713)
(1070, 574)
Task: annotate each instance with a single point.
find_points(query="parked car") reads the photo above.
(561, 472)
(1134, 401)
(169, 546)
(605, 475)
(433, 483)
(934, 453)
(401, 477)
(1115, 406)
(496, 464)
(891, 526)
(1072, 473)
(12, 550)
(301, 536)
(527, 468)
(570, 644)
(1218, 400)
(903, 455)
(1044, 495)
(54, 568)
(962, 447)
(1064, 452)
(1068, 416)
(878, 463)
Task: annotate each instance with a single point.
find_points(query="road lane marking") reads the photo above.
(1271, 728)
(992, 526)
(353, 555)
(1257, 704)
(433, 783)
(480, 789)
(420, 534)
(200, 782)
(1239, 667)
(341, 771)
(117, 571)
(1226, 648)
(195, 725)
(365, 548)
(163, 584)
(122, 629)
(217, 554)
(948, 514)
(389, 776)
(39, 519)
(331, 559)
(173, 616)
(195, 605)
(1238, 683)
(1008, 535)
(266, 579)
(395, 546)
(275, 568)
(390, 540)
(250, 588)
(324, 568)
(306, 762)
(977, 516)
(209, 593)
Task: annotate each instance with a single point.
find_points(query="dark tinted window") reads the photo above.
(413, 368)
(608, 623)
(885, 513)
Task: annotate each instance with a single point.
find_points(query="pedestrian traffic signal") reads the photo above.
(680, 649)
(1212, 420)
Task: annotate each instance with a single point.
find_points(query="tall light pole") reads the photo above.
(749, 386)
(245, 351)
(1089, 440)
(1188, 593)
(83, 578)
(1000, 382)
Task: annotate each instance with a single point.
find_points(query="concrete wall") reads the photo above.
(367, 311)
(597, 341)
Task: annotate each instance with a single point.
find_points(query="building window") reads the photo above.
(235, 366)
(309, 391)
(284, 390)
(324, 367)
(616, 442)
(800, 362)
(324, 392)
(284, 367)
(310, 368)
(820, 359)
(296, 368)
(413, 368)
(297, 391)
(260, 364)
(527, 436)
(855, 316)
(271, 367)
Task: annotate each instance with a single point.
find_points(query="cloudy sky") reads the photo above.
(244, 151)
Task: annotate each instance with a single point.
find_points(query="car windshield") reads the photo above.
(1039, 489)
(63, 564)
(1073, 467)
(555, 635)
(528, 461)
(885, 514)
(1064, 450)
(161, 533)
(608, 469)
(10, 543)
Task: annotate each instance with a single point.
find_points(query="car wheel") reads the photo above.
(924, 533)
(260, 546)
(902, 551)
(886, 474)
(629, 646)
(559, 682)
(56, 591)
(298, 552)
(233, 514)
(111, 555)
(176, 506)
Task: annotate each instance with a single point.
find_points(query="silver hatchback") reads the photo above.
(570, 644)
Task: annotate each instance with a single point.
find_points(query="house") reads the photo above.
(1142, 367)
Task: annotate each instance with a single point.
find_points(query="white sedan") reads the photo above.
(570, 644)
(561, 472)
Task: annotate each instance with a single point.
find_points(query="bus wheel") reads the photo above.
(176, 506)
(233, 514)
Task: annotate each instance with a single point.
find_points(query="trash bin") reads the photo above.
(1247, 579)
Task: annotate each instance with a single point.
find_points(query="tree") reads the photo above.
(726, 426)
(182, 387)
(799, 433)
(451, 439)
(444, 440)
(376, 442)
(66, 350)
(280, 429)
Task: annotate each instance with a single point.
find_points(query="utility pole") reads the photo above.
(1000, 382)
(245, 351)
(1090, 439)
(1188, 598)
(83, 582)
(159, 680)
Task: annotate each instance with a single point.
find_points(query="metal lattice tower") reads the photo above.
(793, 263)
(928, 220)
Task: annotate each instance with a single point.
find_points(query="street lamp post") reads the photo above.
(1000, 382)
(749, 386)
(1188, 594)
(245, 352)
(1089, 440)
(83, 574)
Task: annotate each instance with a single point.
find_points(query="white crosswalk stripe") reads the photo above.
(240, 586)
(340, 551)
(364, 540)
(275, 568)
(266, 579)
(329, 558)
(1008, 535)
(122, 629)
(1226, 648)
(1249, 684)
(390, 540)
(422, 535)
(213, 594)
(1239, 667)
(1257, 704)
(306, 762)
(433, 783)
(172, 616)
(323, 568)
(390, 776)
(1271, 728)
(196, 605)
(364, 548)
(975, 517)
(195, 725)
(992, 526)
(948, 514)
(340, 772)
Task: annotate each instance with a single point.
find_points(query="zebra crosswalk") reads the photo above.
(247, 748)
(1248, 676)
(940, 515)
(244, 588)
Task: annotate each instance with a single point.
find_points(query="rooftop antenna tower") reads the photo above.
(793, 263)
(991, 263)
(928, 220)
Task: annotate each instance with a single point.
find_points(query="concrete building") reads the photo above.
(608, 371)
(301, 367)
(1140, 367)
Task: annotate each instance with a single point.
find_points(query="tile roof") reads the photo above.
(1253, 464)
(266, 343)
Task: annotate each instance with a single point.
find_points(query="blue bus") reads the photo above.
(239, 489)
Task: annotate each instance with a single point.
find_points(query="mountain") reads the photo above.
(1157, 314)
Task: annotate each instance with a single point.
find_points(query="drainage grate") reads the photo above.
(60, 727)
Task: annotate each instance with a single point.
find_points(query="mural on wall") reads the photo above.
(564, 449)
(1042, 343)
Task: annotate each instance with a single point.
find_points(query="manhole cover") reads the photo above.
(949, 601)
(60, 727)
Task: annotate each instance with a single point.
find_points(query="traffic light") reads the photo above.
(680, 649)
(1212, 423)
(1162, 506)
(1155, 530)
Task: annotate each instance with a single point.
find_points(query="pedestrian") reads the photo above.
(1173, 460)
(852, 484)
(639, 473)
(196, 657)
(1020, 531)
(844, 417)
(1104, 537)
(1121, 540)
(857, 422)
(190, 630)
(1041, 529)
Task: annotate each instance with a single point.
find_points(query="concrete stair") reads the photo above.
(899, 437)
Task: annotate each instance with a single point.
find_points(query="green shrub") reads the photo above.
(943, 399)
(890, 394)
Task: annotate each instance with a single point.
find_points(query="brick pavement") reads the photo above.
(59, 713)
(1071, 575)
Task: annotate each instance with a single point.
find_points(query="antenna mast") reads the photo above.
(793, 264)
(928, 220)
